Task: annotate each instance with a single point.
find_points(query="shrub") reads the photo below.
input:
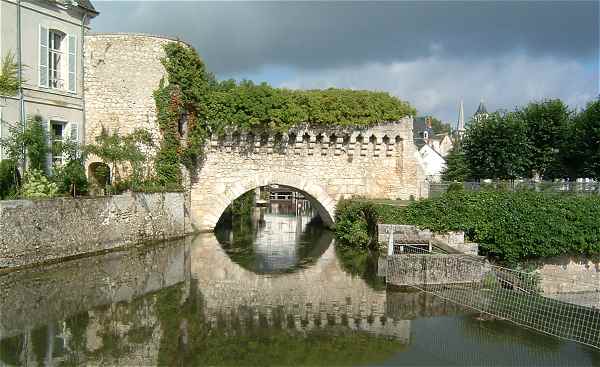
(38, 186)
(455, 186)
(9, 81)
(71, 178)
(356, 224)
(30, 138)
(509, 226)
(9, 179)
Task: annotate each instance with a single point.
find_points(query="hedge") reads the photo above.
(509, 226)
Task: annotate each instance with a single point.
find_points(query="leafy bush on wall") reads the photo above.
(509, 226)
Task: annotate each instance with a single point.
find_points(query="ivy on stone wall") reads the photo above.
(191, 105)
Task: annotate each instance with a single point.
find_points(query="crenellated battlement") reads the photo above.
(325, 163)
(382, 140)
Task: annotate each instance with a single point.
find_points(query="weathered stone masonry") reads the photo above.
(121, 73)
(327, 165)
(123, 70)
(43, 230)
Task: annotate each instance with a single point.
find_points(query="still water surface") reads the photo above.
(273, 290)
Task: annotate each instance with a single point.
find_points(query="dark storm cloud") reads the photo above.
(238, 37)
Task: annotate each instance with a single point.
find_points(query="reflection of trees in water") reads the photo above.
(245, 235)
(491, 331)
(171, 328)
(362, 263)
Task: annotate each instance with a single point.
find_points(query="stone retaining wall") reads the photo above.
(453, 242)
(43, 230)
(432, 269)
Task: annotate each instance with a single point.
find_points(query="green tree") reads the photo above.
(498, 147)
(30, 139)
(439, 127)
(584, 153)
(122, 153)
(70, 178)
(9, 179)
(547, 126)
(457, 167)
(9, 81)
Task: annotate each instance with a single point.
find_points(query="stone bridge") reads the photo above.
(326, 165)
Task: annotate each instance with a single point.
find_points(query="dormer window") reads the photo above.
(58, 61)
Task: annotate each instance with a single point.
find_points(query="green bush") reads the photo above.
(9, 179)
(38, 186)
(513, 226)
(71, 178)
(509, 226)
(191, 103)
(356, 224)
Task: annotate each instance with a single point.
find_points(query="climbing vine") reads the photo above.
(191, 104)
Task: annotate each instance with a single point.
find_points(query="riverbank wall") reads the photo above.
(451, 242)
(38, 231)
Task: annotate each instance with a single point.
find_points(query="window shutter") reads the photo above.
(74, 135)
(43, 66)
(72, 63)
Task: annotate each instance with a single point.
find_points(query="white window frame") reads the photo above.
(66, 74)
(64, 136)
(56, 72)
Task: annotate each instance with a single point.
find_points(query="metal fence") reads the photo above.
(585, 188)
(513, 295)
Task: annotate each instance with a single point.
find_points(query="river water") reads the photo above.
(270, 290)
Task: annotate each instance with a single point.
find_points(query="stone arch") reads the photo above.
(214, 205)
(99, 174)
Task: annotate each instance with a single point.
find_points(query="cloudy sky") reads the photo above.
(431, 53)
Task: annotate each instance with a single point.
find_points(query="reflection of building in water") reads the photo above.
(308, 317)
(99, 301)
(277, 241)
(319, 295)
(143, 307)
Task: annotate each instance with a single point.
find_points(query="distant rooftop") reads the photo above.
(481, 110)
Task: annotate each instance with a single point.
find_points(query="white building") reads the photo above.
(46, 39)
(432, 162)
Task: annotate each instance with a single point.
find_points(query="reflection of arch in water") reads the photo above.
(276, 244)
(227, 285)
(209, 203)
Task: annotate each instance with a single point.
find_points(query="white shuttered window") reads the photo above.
(72, 63)
(43, 50)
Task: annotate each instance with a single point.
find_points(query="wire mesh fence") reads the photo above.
(503, 293)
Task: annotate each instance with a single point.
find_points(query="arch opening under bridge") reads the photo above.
(318, 197)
